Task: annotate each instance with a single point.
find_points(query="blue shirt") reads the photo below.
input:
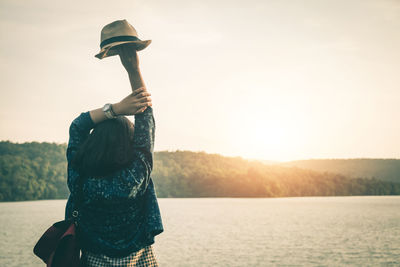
(119, 213)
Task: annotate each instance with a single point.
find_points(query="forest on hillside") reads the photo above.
(34, 170)
(382, 169)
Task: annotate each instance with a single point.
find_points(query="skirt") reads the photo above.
(142, 258)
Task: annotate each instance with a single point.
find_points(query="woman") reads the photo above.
(109, 173)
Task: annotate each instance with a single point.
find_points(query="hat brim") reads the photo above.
(108, 50)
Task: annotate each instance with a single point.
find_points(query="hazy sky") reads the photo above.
(276, 80)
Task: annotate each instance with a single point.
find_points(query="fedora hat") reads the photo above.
(117, 33)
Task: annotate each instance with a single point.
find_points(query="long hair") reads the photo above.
(108, 148)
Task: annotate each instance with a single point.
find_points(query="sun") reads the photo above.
(265, 134)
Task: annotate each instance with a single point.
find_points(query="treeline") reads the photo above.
(35, 170)
(197, 174)
(382, 169)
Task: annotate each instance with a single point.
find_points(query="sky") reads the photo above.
(273, 80)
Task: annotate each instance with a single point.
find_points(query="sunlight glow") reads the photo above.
(268, 133)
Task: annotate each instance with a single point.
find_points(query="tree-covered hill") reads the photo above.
(197, 174)
(35, 170)
(32, 171)
(381, 169)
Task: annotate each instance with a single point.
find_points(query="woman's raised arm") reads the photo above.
(139, 99)
(130, 61)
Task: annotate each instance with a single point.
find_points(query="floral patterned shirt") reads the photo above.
(119, 213)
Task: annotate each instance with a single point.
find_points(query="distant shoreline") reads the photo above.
(364, 196)
(33, 171)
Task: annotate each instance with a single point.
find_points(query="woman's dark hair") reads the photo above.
(108, 148)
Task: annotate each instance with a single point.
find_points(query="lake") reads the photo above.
(304, 231)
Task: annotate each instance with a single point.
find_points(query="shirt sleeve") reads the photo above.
(79, 130)
(144, 132)
(143, 149)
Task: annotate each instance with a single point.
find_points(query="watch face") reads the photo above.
(107, 111)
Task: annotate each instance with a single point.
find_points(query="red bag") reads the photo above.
(58, 246)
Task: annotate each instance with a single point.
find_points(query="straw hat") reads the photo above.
(117, 33)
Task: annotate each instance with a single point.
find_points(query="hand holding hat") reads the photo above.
(128, 56)
(116, 33)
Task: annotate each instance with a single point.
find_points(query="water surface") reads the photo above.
(309, 231)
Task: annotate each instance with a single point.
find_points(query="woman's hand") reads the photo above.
(134, 103)
(128, 55)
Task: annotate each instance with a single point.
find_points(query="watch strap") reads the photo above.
(112, 111)
(108, 111)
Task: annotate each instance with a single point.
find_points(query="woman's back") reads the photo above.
(119, 212)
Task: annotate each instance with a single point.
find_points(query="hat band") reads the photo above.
(118, 39)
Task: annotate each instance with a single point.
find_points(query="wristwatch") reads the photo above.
(108, 111)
